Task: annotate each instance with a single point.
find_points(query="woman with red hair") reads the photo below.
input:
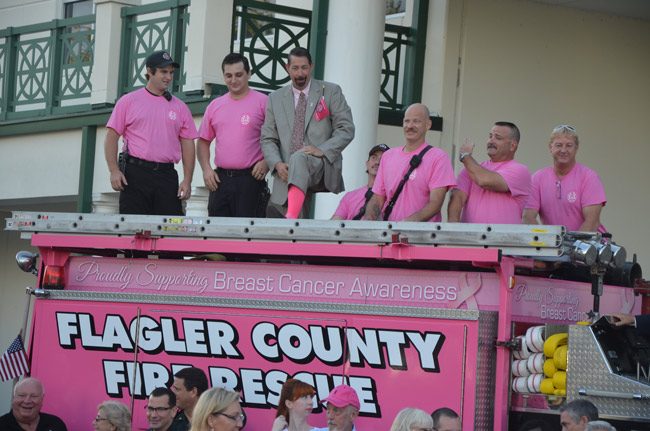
(295, 405)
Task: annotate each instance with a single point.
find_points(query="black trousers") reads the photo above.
(150, 191)
(239, 195)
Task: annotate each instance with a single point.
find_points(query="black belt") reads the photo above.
(234, 172)
(156, 166)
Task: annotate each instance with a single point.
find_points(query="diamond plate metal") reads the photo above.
(587, 369)
(485, 371)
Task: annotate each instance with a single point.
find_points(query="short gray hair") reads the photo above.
(117, 414)
(515, 133)
(599, 426)
(27, 380)
(579, 408)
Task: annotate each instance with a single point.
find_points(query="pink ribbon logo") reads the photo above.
(469, 284)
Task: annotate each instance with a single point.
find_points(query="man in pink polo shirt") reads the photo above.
(237, 185)
(567, 193)
(424, 191)
(157, 129)
(496, 190)
(353, 204)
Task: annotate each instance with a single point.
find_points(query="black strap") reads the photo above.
(166, 94)
(414, 163)
(362, 210)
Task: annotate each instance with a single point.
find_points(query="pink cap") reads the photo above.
(343, 395)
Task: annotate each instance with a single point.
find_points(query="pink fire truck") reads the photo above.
(409, 314)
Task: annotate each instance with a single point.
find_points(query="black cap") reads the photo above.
(380, 147)
(161, 59)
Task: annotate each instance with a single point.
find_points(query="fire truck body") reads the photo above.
(409, 314)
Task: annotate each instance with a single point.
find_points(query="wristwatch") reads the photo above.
(461, 156)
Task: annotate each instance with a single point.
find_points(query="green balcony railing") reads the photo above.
(396, 39)
(265, 33)
(45, 68)
(403, 67)
(161, 25)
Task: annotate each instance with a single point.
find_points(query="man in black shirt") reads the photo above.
(161, 409)
(25, 413)
(189, 384)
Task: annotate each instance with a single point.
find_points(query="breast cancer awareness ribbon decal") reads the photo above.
(469, 285)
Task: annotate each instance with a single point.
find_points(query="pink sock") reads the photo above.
(295, 199)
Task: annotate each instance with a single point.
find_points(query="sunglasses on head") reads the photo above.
(564, 127)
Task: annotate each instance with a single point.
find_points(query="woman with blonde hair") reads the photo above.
(295, 405)
(218, 409)
(112, 416)
(411, 419)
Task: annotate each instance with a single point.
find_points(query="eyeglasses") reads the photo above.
(558, 189)
(99, 419)
(157, 410)
(235, 418)
(563, 127)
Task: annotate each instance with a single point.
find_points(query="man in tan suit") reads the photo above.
(308, 124)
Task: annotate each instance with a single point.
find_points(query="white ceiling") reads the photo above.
(639, 9)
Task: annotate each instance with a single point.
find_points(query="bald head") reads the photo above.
(421, 108)
(416, 123)
(29, 382)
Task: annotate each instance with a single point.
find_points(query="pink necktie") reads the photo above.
(298, 135)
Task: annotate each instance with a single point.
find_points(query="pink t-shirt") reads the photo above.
(486, 206)
(351, 203)
(236, 125)
(434, 172)
(151, 127)
(560, 201)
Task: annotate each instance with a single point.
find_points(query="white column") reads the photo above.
(106, 203)
(106, 52)
(355, 38)
(208, 41)
(197, 204)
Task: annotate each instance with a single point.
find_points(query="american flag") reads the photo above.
(14, 361)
